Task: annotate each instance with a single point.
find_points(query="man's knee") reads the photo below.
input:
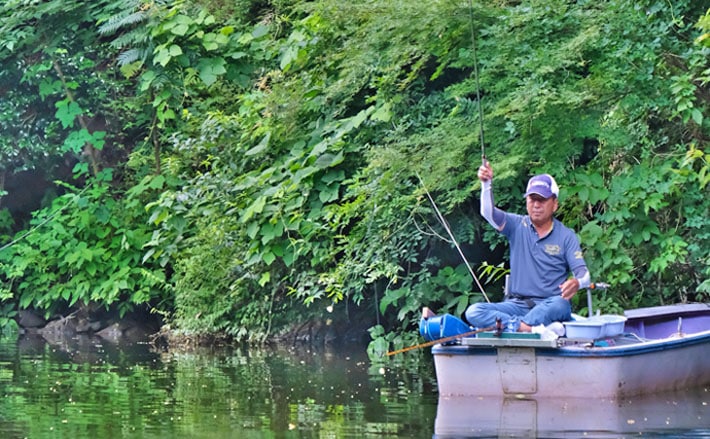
(562, 306)
(475, 313)
(551, 310)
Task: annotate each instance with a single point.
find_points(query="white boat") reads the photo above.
(657, 349)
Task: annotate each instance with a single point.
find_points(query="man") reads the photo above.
(546, 262)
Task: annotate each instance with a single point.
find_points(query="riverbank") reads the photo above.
(142, 326)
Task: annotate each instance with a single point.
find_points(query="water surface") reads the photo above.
(89, 388)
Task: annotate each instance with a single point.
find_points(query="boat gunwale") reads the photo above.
(642, 347)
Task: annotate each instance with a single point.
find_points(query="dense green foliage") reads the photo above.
(250, 165)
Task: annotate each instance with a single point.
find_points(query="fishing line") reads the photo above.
(45, 221)
(443, 222)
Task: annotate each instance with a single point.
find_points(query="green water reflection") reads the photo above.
(88, 388)
(91, 389)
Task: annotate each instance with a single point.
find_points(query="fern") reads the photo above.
(133, 37)
(129, 56)
(121, 20)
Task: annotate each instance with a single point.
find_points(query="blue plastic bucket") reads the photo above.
(453, 326)
(441, 326)
(430, 328)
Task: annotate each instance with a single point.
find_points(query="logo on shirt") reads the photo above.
(552, 249)
(578, 255)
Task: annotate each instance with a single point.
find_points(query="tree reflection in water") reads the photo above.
(88, 388)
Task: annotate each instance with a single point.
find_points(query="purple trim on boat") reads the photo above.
(575, 351)
(674, 310)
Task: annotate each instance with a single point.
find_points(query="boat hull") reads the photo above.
(494, 367)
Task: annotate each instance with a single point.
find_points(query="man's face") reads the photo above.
(540, 209)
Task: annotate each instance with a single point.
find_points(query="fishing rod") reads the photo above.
(483, 152)
(478, 84)
(441, 340)
(443, 222)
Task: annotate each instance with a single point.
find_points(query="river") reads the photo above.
(88, 388)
